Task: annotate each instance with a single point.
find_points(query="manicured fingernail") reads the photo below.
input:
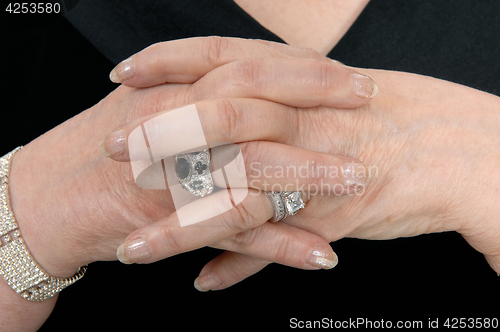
(206, 281)
(363, 86)
(324, 259)
(135, 251)
(123, 71)
(114, 144)
(354, 174)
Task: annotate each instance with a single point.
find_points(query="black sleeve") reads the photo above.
(120, 28)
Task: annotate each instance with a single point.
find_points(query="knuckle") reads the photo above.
(284, 250)
(253, 154)
(336, 127)
(169, 243)
(309, 53)
(213, 50)
(230, 116)
(317, 170)
(154, 48)
(324, 76)
(245, 239)
(156, 101)
(247, 74)
(141, 102)
(239, 218)
(244, 218)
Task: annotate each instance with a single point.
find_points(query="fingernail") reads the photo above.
(354, 174)
(324, 259)
(207, 281)
(114, 144)
(123, 71)
(135, 251)
(363, 86)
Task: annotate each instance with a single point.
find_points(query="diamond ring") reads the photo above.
(193, 170)
(286, 203)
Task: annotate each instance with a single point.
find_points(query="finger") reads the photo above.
(256, 164)
(197, 224)
(293, 82)
(186, 60)
(273, 166)
(282, 244)
(250, 251)
(223, 120)
(227, 269)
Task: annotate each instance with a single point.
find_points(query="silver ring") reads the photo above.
(278, 205)
(287, 203)
(194, 172)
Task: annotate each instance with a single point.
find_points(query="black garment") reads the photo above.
(121, 28)
(457, 41)
(51, 73)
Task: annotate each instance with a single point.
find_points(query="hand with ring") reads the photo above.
(427, 145)
(87, 204)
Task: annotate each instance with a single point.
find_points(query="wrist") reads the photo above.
(44, 234)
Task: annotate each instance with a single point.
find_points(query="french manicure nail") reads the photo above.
(135, 251)
(123, 71)
(206, 281)
(363, 86)
(114, 144)
(354, 174)
(323, 259)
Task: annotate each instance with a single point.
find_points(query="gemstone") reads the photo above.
(182, 168)
(294, 203)
(200, 167)
(197, 185)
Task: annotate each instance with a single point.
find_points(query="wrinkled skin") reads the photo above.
(434, 149)
(433, 143)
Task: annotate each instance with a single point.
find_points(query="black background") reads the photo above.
(51, 73)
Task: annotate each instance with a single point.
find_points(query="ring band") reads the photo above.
(193, 170)
(287, 203)
(278, 205)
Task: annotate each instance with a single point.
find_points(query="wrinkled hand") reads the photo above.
(64, 192)
(432, 150)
